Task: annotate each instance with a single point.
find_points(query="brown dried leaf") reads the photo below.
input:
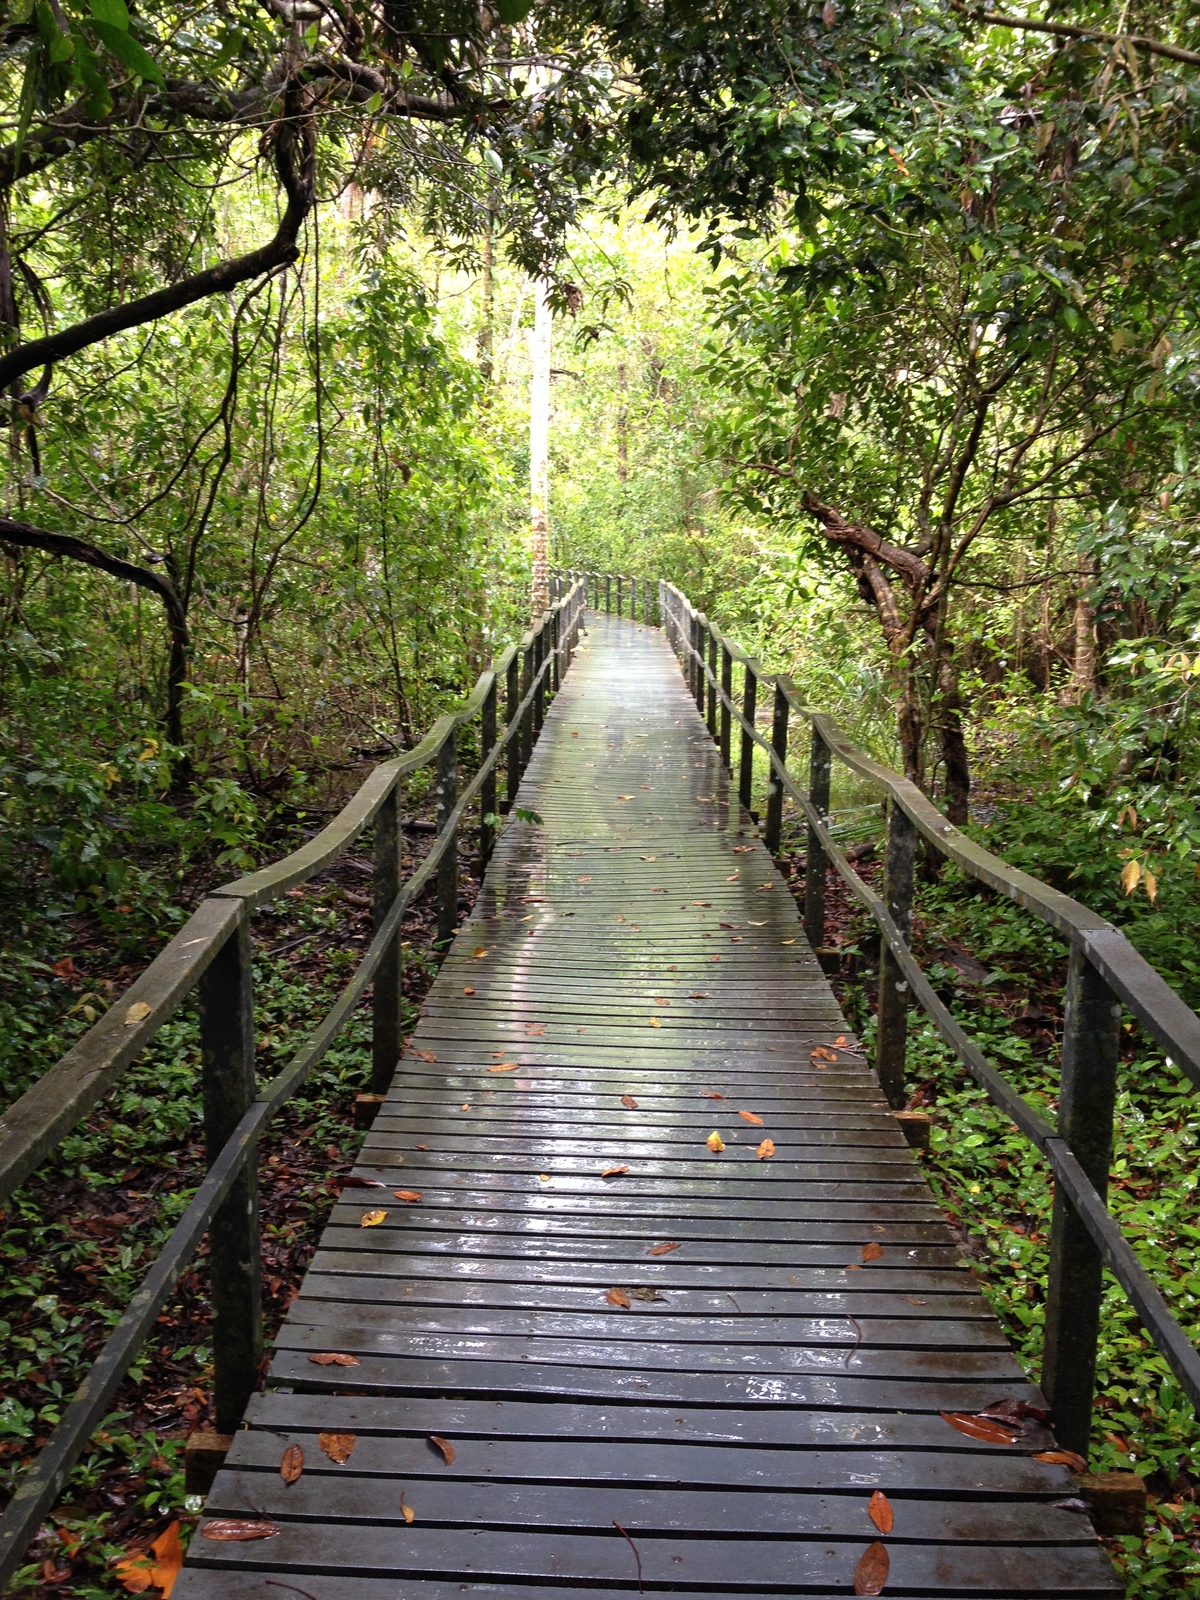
(337, 1446)
(444, 1446)
(372, 1219)
(766, 1150)
(880, 1512)
(618, 1297)
(613, 1172)
(871, 1573)
(226, 1530)
(629, 1102)
(990, 1430)
(715, 1142)
(1062, 1458)
(871, 1252)
(407, 1194)
(292, 1464)
(505, 1066)
(334, 1358)
(663, 1249)
(750, 1116)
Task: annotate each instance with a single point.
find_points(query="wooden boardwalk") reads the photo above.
(786, 1329)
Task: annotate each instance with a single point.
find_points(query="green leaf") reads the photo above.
(513, 11)
(127, 50)
(113, 12)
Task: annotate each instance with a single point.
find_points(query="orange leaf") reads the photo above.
(880, 1512)
(749, 1116)
(408, 1194)
(1062, 1458)
(618, 1297)
(991, 1432)
(444, 1446)
(613, 1172)
(372, 1219)
(225, 1530)
(871, 1573)
(715, 1142)
(332, 1358)
(292, 1464)
(662, 1249)
(629, 1102)
(505, 1066)
(766, 1150)
(337, 1446)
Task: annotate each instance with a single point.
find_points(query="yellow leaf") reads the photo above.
(715, 1142)
(372, 1219)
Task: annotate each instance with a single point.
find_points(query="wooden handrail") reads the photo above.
(1104, 971)
(211, 954)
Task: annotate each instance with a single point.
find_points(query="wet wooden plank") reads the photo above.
(791, 1355)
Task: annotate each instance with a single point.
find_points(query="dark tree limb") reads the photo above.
(23, 535)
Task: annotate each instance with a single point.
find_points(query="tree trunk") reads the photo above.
(539, 448)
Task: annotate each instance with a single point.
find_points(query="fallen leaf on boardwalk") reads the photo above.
(656, 1022)
(334, 1358)
(337, 1446)
(750, 1116)
(479, 952)
(505, 1066)
(880, 1512)
(710, 1094)
(444, 1446)
(662, 1249)
(871, 1252)
(613, 1172)
(715, 1142)
(468, 990)
(407, 1194)
(766, 1150)
(157, 1568)
(292, 1464)
(355, 1182)
(422, 1055)
(407, 1512)
(137, 1012)
(989, 1430)
(1062, 1458)
(871, 1573)
(629, 1102)
(225, 1530)
(372, 1219)
(618, 1297)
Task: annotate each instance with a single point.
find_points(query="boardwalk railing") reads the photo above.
(211, 954)
(1105, 974)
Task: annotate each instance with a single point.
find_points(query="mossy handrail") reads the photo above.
(211, 955)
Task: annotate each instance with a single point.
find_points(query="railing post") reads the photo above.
(727, 692)
(487, 792)
(711, 682)
(387, 992)
(1087, 1096)
(746, 764)
(447, 876)
(779, 734)
(226, 1004)
(815, 862)
(527, 669)
(512, 698)
(891, 1039)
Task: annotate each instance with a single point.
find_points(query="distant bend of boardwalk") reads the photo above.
(590, 1353)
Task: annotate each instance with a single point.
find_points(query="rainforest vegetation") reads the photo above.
(874, 328)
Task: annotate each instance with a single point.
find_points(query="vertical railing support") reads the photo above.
(447, 876)
(779, 737)
(226, 1005)
(387, 995)
(512, 699)
(749, 710)
(815, 863)
(727, 692)
(487, 792)
(891, 1039)
(711, 682)
(1087, 1096)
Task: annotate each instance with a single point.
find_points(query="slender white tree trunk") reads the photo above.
(539, 448)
